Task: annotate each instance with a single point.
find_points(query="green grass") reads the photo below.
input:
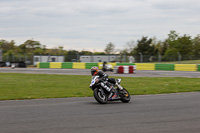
(159, 85)
(35, 86)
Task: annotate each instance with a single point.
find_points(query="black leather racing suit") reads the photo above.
(106, 80)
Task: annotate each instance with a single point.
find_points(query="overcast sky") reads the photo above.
(92, 24)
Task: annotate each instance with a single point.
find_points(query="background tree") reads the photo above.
(178, 44)
(196, 45)
(99, 53)
(149, 47)
(30, 46)
(184, 45)
(129, 48)
(84, 52)
(144, 46)
(71, 55)
(164, 47)
(7, 46)
(110, 48)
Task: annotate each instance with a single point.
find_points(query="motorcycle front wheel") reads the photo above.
(125, 96)
(100, 96)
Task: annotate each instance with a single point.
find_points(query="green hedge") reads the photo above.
(67, 65)
(44, 65)
(169, 67)
(198, 67)
(89, 65)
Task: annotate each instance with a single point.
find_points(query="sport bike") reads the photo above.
(103, 96)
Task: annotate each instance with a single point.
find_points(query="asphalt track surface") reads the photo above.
(138, 73)
(164, 113)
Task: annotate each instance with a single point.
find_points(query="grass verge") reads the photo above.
(36, 86)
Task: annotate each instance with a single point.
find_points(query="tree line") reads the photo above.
(175, 43)
(171, 46)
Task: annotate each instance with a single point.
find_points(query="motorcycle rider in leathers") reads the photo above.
(113, 92)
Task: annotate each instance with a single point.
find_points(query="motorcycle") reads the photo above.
(103, 96)
(107, 67)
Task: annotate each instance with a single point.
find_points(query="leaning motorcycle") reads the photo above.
(103, 96)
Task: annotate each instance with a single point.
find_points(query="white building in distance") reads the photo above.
(99, 58)
(47, 58)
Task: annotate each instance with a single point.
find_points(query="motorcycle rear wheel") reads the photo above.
(125, 96)
(100, 96)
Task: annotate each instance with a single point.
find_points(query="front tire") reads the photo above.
(100, 96)
(125, 96)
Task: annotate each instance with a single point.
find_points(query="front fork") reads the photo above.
(119, 86)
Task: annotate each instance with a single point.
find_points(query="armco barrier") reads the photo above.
(67, 65)
(168, 67)
(38, 65)
(145, 66)
(55, 64)
(185, 67)
(198, 67)
(78, 65)
(44, 65)
(139, 66)
(90, 65)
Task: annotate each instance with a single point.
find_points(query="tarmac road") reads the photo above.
(170, 113)
(138, 73)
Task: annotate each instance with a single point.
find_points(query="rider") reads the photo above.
(95, 71)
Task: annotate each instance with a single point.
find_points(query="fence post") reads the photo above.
(159, 57)
(40, 57)
(91, 58)
(179, 57)
(25, 58)
(19, 58)
(1, 55)
(141, 57)
(124, 58)
(7, 58)
(13, 58)
(77, 57)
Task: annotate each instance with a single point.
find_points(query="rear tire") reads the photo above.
(125, 97)
(100, 96)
